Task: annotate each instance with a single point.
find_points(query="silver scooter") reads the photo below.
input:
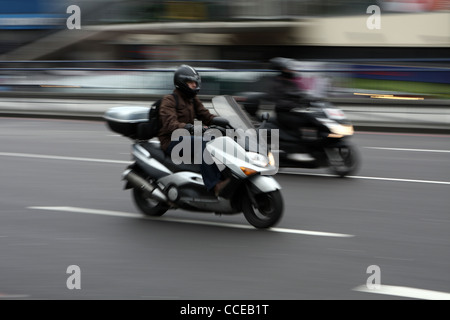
(160, 183)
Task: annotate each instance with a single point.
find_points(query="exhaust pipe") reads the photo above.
(138, 182)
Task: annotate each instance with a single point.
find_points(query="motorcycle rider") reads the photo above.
(283, 86)
(288, 96)
(176, 115)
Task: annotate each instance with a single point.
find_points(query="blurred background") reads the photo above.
(393, 215)
(131, 47)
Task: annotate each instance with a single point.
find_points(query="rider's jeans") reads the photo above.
(209, 170)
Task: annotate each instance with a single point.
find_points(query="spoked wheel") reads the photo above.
(267, 212)
(343, 161)
(148, 206)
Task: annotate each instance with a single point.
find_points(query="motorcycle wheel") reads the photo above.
(346, 161)
(147, 206)
(267, 213)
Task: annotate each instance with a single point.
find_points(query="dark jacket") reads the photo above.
(172, 118)
(285, 93)
(278, 88)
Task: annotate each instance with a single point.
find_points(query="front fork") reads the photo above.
(251, 196)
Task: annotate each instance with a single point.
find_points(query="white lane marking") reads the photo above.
(285, 171)
(405, 134)
(400, 180)
(406, 292)
(40, 156)
(13, 296)
(414, 150)
(364, 178)
(209, 223)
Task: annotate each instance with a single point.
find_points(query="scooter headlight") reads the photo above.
(342, 130)
(257, 159)
(271, 159)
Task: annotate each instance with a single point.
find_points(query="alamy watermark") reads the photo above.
(235, 146)
(374, 280)
(74, 21)
(374, 21)
(74, 280)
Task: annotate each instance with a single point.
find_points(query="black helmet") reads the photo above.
(284, 65)
(184, 74)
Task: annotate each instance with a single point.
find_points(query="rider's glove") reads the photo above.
(189, 127)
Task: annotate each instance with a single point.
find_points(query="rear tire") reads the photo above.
(269, 211)
(147, 206)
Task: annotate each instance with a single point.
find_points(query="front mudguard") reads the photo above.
(263, 184)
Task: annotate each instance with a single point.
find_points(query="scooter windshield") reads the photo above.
(226, 107)
(247, 135)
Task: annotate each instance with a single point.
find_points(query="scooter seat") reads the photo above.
(157, 153)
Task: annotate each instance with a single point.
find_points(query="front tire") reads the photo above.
(147, 206)
(345, 160)
(268, 212)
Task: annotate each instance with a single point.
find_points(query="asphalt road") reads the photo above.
(62, 205)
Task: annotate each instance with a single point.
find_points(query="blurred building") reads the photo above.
(219, 29)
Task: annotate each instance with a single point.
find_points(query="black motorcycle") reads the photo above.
(324, 142)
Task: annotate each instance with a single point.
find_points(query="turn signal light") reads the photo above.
(247, 171)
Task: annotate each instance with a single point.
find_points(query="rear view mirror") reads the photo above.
(265, 116)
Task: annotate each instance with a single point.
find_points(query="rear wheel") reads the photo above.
(148, 206)
(343, 161)
(267, 212)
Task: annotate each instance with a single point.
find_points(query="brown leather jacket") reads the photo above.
(172, 118)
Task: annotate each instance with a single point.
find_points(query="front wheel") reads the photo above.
(266, 212)
(148, 206)
(343, 161)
